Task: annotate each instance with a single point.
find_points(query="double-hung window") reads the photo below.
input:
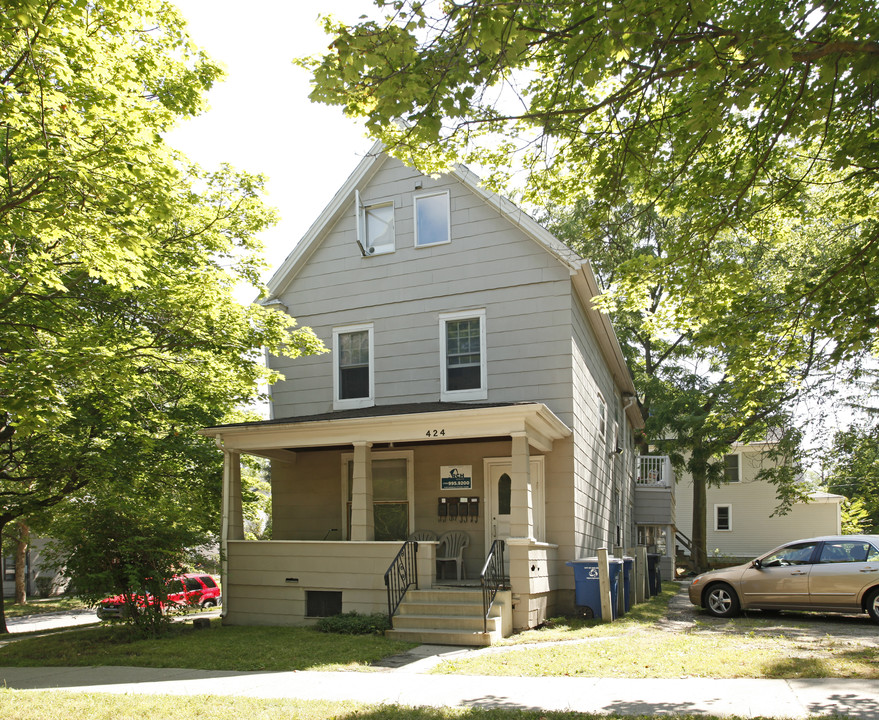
(732, 468)
(393, 486)
(375, 227)
(353, 367)
(462, 356)
(722, 518)
(433, 219)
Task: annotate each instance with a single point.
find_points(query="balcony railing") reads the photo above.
(655, 471)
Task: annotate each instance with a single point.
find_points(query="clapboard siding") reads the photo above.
(523, 289)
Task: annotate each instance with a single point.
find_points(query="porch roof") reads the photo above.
(419, 422)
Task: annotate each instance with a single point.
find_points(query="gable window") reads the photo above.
(433, 220)
(375, 227)
(732, 469)
(462, 356)
(353, 376)
(723, 518)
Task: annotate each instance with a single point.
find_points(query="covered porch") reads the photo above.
(349, 488)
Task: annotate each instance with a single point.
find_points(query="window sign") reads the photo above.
(456, 477)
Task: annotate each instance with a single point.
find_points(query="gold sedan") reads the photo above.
(838, 573)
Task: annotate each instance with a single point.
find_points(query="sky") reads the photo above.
(260, 119)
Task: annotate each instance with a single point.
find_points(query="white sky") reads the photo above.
(260, 119)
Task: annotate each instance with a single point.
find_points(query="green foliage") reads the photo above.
(854, 517)
(353, 623)
(853, 471)
(119, 331)
(749, 126)
(127, 543)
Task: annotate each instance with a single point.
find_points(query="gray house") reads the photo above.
(471, 386)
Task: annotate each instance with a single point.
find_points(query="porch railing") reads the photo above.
(402, 573)
(492, 579)
(655, 471)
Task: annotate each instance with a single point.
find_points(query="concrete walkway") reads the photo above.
(746, 698)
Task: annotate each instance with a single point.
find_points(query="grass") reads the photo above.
(26, 705)
(637, 647)
(38, 607)
(218, 648)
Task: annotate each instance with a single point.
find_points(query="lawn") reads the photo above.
(216, 648)
(19, 705)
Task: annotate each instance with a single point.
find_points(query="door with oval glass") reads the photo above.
(498, 493)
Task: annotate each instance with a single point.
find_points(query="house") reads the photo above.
(42, 578)
(740, 523)
(470, 386)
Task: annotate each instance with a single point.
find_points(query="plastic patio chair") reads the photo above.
(451, 549)
(423, 535)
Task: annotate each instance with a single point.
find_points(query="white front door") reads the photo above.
(498, 486)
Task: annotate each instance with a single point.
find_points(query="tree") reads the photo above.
(735, 118)
(119, 257)
(853, 461)
(694, 407)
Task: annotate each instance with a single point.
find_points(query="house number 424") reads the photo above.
(436, 433)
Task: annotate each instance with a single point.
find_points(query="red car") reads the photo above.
(183, 590)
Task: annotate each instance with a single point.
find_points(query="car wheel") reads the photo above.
(721, 601)
(871, 604)
(208, 603)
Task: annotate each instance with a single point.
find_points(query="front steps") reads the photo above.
(447, 616)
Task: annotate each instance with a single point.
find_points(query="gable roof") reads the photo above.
(583, 278)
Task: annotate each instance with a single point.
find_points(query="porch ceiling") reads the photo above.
(394, 424)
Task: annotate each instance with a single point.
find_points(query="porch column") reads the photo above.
(233, 520)
(521, 514)
(362, 523)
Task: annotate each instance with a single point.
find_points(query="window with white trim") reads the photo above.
(732, 468)
(602, 416)
(462, 356)
(353, 369)
(375, 227)
(433, 219)
(722, 518)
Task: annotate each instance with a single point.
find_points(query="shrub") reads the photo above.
(353, 623)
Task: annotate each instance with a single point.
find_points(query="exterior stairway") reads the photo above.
(449, 616)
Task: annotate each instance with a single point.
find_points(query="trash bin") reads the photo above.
(654, 573)
(587, 590)
(628, 584)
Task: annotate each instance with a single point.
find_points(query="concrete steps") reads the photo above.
(446, 616)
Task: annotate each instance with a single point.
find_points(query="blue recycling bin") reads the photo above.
(587, 591)
(628, 581)
(654, 573)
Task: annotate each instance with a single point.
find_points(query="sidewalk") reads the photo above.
(745, 698)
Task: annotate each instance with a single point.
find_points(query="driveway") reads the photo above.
(810, 630)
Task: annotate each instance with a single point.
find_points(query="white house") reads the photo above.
(740, 522)
(470, 386)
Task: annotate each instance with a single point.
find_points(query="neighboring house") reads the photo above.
(470, 385)
(740, 521)
(42, 578)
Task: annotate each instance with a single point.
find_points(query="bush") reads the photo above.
(353, 623)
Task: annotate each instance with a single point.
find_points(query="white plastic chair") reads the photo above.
(451, 549)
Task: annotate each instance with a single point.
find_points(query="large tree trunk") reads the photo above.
(3, 628)
(699, 472)
(21, 563)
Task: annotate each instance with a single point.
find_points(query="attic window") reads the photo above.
(375, 227)
(432, 219)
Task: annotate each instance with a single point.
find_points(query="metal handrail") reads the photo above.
(402, 573)
(493, 579)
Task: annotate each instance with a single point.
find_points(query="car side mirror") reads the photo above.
(758, 564)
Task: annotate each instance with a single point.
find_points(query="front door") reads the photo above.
(498, 489)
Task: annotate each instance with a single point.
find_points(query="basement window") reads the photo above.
(322, 603)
